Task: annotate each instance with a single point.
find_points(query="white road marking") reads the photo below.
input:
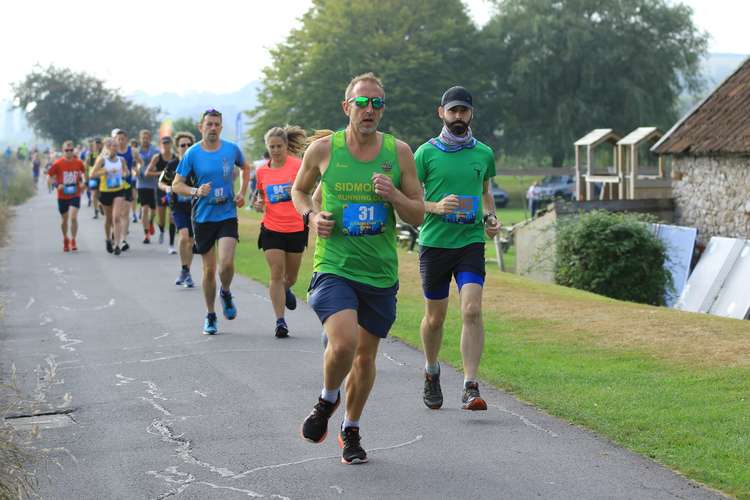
(161, 336)
(63, 337)
(525, 420)
(123, 380)
(390, 358)
(328, 457)
(78, 295)
(338, 489)
(31, 302)
(201, 394)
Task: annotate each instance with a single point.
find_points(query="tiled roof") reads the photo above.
(719, 125)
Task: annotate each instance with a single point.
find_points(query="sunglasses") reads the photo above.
(184, 145)
(68, 150)
(362, 102)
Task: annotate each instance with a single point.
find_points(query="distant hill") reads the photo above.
(716, 69)
(192, 105)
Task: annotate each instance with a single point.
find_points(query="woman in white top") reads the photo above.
(112, 171)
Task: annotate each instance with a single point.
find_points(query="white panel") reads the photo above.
(680, 242)
(704, 284)
(734, 296)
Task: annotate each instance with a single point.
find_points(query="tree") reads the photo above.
(61, 104)
(418, 48)
(563, 67)
(186, 124)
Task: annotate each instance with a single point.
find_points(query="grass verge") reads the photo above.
(669, 385)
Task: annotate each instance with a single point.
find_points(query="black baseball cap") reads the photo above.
(456, 96)
(166, 139)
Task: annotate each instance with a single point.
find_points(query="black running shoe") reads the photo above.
(471, 398)
(352, 452)
(432, 395)
(125, 246)
(291, 300)
(110, 248)
(117, 251)
(315, 426)
(282, 331)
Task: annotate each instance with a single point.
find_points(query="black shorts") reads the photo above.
(206, 234)
(147, 197)
(128, 193)
(161, 198)
(289, 242)
(64, 205)
(438, 265)
(106, 198)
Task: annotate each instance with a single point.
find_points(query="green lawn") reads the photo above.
(672, 386)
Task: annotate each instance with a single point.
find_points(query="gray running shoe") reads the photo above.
(181, 279)
(471, 398)
(188, 281)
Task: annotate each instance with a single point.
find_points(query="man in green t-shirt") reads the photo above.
(365, 177)
(455, 170)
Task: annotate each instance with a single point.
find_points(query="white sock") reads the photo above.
(330, 396)
(349, 423)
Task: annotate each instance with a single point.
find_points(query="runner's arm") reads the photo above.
(409, 200)
(491, 222)
(308, 174)
(151, 169)
(137, 161)
(98, 169)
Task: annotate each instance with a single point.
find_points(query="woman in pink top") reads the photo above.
(283, 236)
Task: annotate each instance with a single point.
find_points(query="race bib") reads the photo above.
(364, 219)
(466, 213)
(279, 192)
(218, 197)
(114, 181)
(93, 183)
(70, 189)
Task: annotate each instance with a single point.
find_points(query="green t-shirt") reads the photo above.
(462, 173)
(362, 245)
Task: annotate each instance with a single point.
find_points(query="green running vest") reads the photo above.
(362, 245)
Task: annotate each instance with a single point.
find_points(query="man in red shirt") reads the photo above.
(67, 175)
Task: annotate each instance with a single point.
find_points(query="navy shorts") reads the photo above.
(376, 307)
(208, 233)
(64, 205)
(182, 217)
(438, 265)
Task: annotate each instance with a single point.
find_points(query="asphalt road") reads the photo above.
(143, 406)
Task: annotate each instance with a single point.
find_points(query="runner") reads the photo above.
(455, 169)
(212, 161)
(157, 165)
(134, 162)
(147, 187)
(68, 176)
(93, 182)
(111, 170)
(283, 236)
(180, 207)
(355, 280)
(36, 168)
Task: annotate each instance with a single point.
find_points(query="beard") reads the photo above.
(457, 127)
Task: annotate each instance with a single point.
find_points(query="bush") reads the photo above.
(615, 255)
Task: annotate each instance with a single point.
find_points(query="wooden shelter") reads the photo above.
(641, 181)
(585, 149)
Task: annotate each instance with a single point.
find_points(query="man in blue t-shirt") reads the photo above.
(146, 186)
(212, 162)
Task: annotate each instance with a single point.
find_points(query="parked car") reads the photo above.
(551, 187)
(500, 196)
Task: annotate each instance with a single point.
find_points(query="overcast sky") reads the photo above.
(136, 49)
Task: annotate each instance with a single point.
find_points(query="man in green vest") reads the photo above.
(366, 176)
(455, 170)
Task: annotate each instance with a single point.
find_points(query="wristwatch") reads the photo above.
(487, 217)
(194, 191)
(306, 217)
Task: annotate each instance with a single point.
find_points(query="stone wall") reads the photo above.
(712, 194)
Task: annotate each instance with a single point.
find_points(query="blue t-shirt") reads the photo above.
(216, 167)
(143, 181)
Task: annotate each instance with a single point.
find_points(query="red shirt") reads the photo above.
(68, 173)
(276, 186)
